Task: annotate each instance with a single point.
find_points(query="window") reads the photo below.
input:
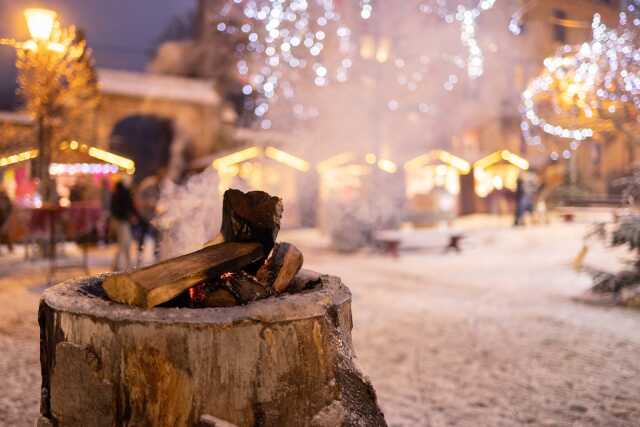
(559, 30)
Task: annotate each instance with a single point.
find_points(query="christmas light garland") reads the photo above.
(593, 78)
(289, 37)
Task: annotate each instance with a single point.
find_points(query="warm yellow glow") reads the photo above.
(383, 51)
(122, 162)
(334, 162)
(237, 157)
(19, 157)
(40, 23)
(29, 45)
(515, 160)
(488, 160)
(367, 47)
(287, 159)
(73, 145)
(387, 166)
(56, 47)
(461, 165)
(496, 175)
(506, 155)
(456, 162)
(422, 180)
(497, 182)
(370, 158)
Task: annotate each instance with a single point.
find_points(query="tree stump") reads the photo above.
(285, 361)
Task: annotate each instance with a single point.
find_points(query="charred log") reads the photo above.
(251, 217)
(153, 285)
(283, 265)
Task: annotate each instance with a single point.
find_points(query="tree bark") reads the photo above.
(285, 361)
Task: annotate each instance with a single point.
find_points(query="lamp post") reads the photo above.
(41, 24)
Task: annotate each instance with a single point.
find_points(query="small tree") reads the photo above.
(58, 83)
(627, 233)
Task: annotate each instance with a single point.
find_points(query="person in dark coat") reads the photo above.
(6, 207)
(123, 215)
(520, 202)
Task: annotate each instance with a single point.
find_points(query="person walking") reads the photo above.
(123, 215)
(520, 196)
(146, 200)
(6, 207)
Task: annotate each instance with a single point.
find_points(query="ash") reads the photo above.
(488, 337)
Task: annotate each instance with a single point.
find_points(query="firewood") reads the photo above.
(251, 217)
(219, 297)
(283, 265)
(246, 287)
(158, 283)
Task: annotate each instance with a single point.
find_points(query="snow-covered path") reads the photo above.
(489, 337)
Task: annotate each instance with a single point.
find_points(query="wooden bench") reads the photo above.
(389, 241)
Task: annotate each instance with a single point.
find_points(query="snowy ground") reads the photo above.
(488, 337)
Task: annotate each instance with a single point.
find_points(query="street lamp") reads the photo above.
(40, 23)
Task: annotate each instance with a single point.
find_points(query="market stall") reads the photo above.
(83, 177)
(268, 169)
(495, 179)
(432, 185)
(357, 195)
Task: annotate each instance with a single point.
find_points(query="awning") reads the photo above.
(441, 156)
(250, 153)
(502, 155)
(73, 152)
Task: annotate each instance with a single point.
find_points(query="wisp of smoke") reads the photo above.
(190, 214)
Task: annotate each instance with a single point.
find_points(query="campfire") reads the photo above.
(242, 264)
(115, 352)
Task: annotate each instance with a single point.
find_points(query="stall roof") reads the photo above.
(439, 155)
(254, 152)
(72, 152)
(148, 85)
(347, 158)
(502, 155)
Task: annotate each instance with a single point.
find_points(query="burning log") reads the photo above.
(283, 265)
(251, 217)
(231, 289)
(153, 285)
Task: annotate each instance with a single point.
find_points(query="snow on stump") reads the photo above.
(285, 361)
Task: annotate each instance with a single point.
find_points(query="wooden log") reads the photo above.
(158, 283)
(281, 267)
(285, 361)
(219, 297)
(251, 217)
(245, 287)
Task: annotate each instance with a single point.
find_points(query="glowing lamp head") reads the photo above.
(40, 23)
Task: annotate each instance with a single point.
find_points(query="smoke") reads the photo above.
(190, 214)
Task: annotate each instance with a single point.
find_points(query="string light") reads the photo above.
(586, 82)
(285, 40)
(467, 17)
(82, 169)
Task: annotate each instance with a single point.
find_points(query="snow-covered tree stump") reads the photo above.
(283, 361)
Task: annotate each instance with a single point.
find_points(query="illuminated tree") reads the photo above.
(589, 89)
(58, 83)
